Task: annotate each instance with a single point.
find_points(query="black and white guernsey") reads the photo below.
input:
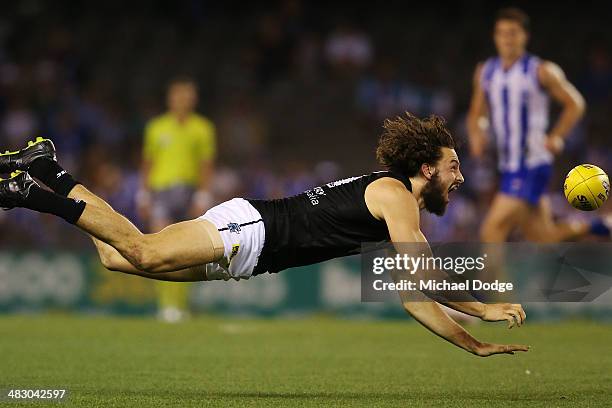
(322, 223)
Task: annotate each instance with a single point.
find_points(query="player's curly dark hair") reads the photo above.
(408, 142)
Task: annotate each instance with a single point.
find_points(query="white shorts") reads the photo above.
(243, 233)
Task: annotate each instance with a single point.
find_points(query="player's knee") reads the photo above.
(145, 262)
(487, 231)
(493, 230)
(143, 256)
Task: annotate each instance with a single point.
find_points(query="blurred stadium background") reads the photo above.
(297, 91)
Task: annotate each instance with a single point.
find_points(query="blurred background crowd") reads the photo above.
(297, 91)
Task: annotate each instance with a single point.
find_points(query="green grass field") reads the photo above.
(306, 362)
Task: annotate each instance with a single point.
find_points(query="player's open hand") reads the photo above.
(511, 312)
(488, 349)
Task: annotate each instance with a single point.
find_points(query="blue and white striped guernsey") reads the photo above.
(518, 111)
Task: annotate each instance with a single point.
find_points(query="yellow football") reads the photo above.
(586, 187)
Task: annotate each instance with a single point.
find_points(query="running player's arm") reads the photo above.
(388, 200)
(553, 79)
(477, 118)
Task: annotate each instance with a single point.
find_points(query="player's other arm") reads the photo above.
(553, 79)
(477, 120)
(390, 201)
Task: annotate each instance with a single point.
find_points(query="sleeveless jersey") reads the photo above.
(519, 111)
(322, 223)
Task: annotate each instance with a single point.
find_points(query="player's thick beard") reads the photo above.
(433, 196)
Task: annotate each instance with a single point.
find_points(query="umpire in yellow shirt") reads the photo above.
(178, 158)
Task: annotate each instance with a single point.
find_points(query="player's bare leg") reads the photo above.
(105, 251)
(114, 261)
(539, 225)
(180, 246)
(172, 298)
(535, 222)
(112, 258)
(506, 213)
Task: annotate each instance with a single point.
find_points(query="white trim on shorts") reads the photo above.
(243, 233)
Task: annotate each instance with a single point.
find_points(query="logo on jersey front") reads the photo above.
(234, 227)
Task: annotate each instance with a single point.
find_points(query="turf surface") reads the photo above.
(306, 362)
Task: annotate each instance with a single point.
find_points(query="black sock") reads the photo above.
(47, 202)
(52, 175)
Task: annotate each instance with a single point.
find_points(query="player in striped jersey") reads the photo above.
(511, 96)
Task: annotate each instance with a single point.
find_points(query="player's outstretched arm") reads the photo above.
(389, 200)
(513, 313)
(431, 315)
(393, 203)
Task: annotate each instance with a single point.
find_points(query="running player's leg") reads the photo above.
(506, 213)
(539, 225)
(504, 216)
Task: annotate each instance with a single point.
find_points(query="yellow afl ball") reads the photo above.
(586, 187)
